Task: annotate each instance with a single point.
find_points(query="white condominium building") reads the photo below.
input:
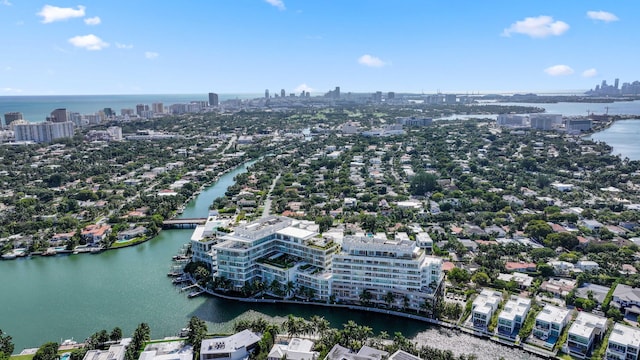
(276, 249)
(377, 267)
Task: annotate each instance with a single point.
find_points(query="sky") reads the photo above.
(85, 47)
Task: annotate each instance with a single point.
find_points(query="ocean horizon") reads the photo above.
(36, 108)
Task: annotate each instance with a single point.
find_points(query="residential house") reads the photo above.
(513, 315)
(520, 266)
(587, 265)
(627, 299)
(558, 287)
(339, 352)
(624, 343)
(93, 234)
(115, 352)
(549, 324)
(584, 333)
(132, 233)
(483, 307)
(296, 349)
(234, 347)
(523, 280)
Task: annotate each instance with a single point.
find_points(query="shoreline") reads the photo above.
(541, 353)
(95, 250)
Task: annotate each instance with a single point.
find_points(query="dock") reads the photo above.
(184, 223)
(195, 293)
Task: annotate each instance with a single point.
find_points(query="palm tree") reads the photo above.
(389, 298)
(365, 297)
(289, 287)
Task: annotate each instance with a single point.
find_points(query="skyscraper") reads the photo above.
(158, 108)
(213, 99)
(282, 93)
(141, 108)
(12, 116)
(266, 94)
(59, 115)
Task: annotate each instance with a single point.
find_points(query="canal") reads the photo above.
(72, 296)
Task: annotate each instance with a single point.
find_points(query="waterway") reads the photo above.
(73, 296)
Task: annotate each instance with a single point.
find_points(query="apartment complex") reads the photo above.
(280, 250)
(379, 266)
(277, 249)
(43, 132)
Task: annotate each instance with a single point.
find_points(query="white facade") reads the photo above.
(115, 352)
(624, 343)
(43, 132)
(483, 307)
(585, 331)
(296, 349)
(550, 322)
(276, 248)
(379, 266)
(513, 314)
(234, 347)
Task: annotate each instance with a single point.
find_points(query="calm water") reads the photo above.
(55, 298)
(623, 137)
(37, 108)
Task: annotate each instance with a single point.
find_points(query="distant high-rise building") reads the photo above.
(126, 112)
(282, 93)
(12, 116)
(266, 94)
(140, 108)
(157, 108)
(616, 83)
(108, 112)
(391, 95)
(43, 132)
(450, 98)
(213, 99)
(337, 92)
(377, 96)
(59, 115)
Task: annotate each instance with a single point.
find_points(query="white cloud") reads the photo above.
(151, 55)
(559, 70)
(89, 42)
(602, 16)
(537, 27)
(11, 90)
(371, 61)
(52, 13)
(589, 73)
(277, 3)
(303, 87)
(92, 20)
(124, 46)
(6, 3)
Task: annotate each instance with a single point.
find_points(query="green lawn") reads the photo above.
(133, 241)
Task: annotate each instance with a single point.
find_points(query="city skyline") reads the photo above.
(90, 47)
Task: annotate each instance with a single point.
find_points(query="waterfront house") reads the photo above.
(93, 234)
(131, 233)
(234, 347)
(483, 307)
(549, 324)
(513, 315)
(339, 352)
(584, 333)
(61, 238)
(171, 350)
(624, 343)
(520, 266)
(403, 355)
(115, 352)
(296, 349)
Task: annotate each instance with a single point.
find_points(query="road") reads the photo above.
(267, 203)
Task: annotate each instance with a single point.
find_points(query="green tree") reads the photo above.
(545, 270)
(481, 278)
(48, 351)
(116, 334)
(197, 332)
(6, 345)
(566, 240)
(538, 229)
(423, 183)
(459, 276)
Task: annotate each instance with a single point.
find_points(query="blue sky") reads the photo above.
(245, 46)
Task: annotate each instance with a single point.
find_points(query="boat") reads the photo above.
(68, 342)
(184, 332)
(49, 252)
(9, 256)
(95, 250)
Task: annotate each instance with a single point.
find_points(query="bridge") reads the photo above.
(183, 223)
